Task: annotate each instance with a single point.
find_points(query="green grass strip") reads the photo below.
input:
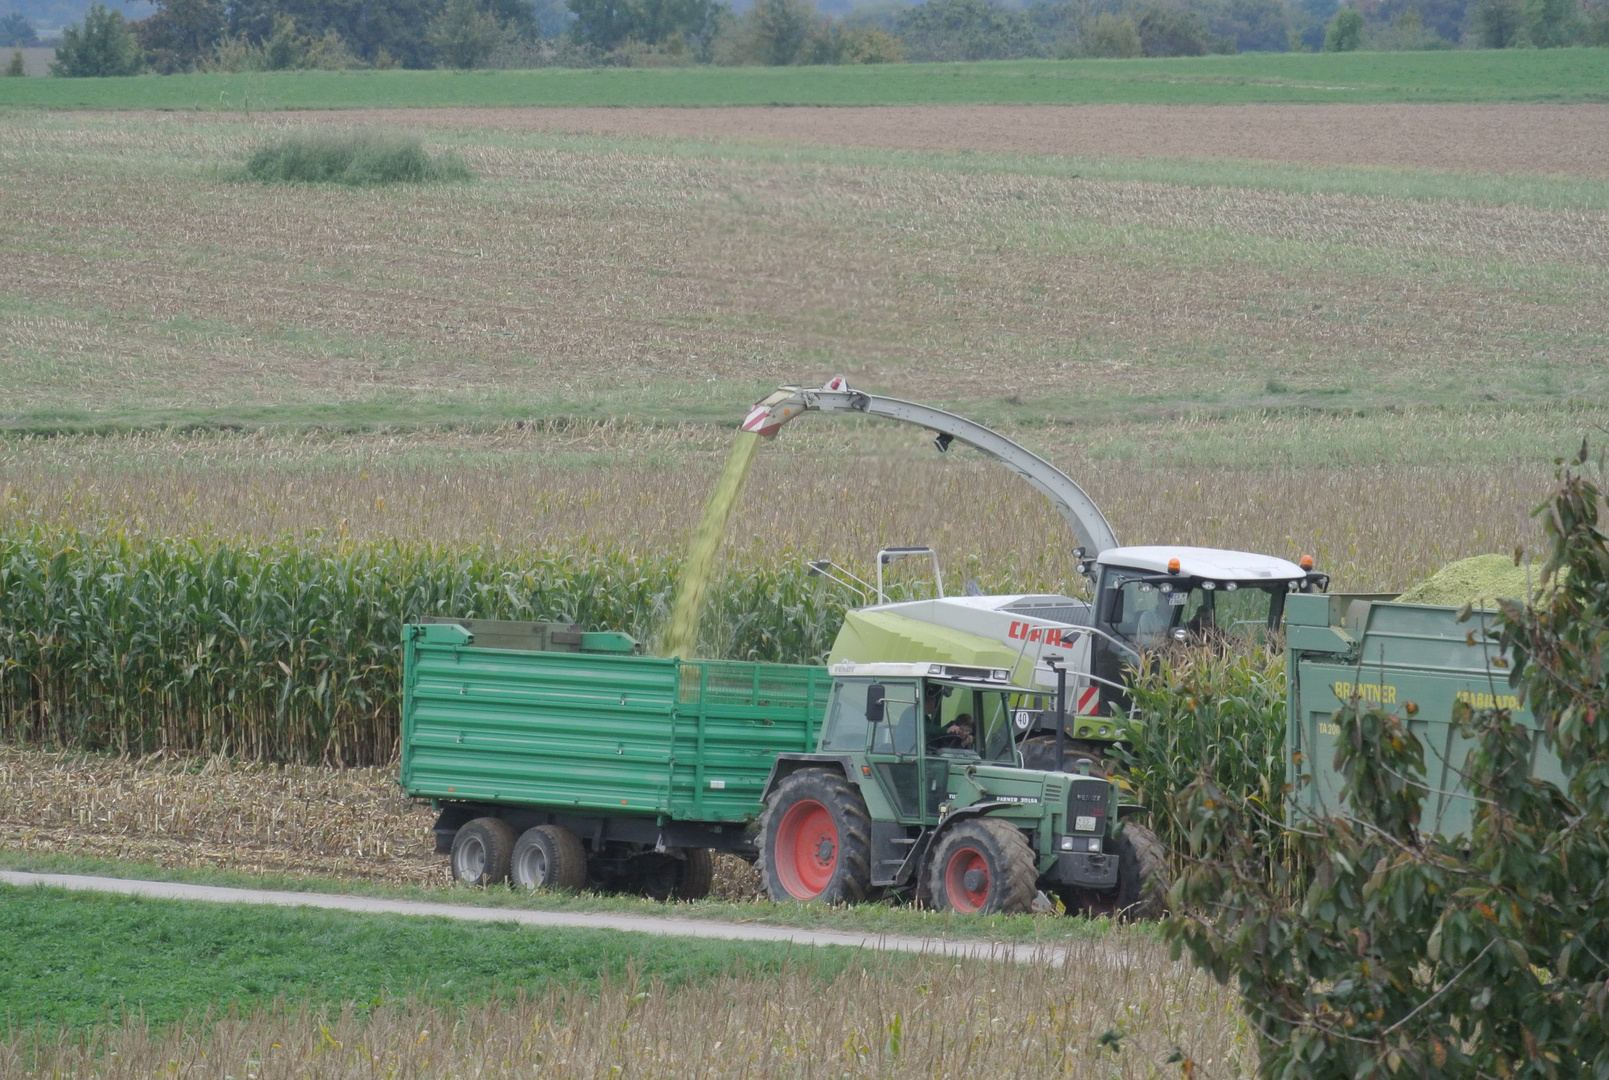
(83, 958)
(885, 918)
(1506, 75)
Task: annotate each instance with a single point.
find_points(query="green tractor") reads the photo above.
(917, 788)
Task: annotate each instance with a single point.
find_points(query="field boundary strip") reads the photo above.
(641, 924)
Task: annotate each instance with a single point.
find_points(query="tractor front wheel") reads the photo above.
(983, 866)
(1142, 880)
(815, 840)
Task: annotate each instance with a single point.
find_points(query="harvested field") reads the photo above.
(1568, 140)
(918, 1018)
(217, 814)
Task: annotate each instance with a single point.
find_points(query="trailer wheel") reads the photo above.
(815, 840)
(1142, 881)
(549, 857)
(698, 875)
(983, 866)
(481, 851)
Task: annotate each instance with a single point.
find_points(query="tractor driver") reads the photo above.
(958, 736)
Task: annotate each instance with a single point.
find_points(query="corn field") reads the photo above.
(290, 651)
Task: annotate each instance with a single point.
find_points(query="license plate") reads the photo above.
(1083, 824)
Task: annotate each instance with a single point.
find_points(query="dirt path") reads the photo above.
(1536, 139)
(639, 924)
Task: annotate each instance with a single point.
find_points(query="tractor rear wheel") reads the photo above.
(983, 866)
(1039, 753)
(481, 851)
(549, 857)
(815, 840)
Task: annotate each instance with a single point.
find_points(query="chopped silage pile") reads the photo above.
(1480, 581)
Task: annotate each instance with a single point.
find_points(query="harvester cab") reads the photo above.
(917, 788)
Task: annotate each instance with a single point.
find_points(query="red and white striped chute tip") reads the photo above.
(837, 382)
(762, 422)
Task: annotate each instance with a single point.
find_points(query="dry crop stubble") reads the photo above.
(577, 265)
(905, 1018)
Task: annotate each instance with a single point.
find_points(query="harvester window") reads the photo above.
(1143, 613)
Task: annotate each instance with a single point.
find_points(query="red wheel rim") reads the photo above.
(807, 849)
(961, 863)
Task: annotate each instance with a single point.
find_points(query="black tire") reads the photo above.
(1039, 753)
(815, 840)
(1142, 880)
(698, 875)
(549, 857)
(983, 866)
(481, 851)
(1142, 874)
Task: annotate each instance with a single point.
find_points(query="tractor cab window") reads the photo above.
(845, 725)
(900, 731)
(972, 722)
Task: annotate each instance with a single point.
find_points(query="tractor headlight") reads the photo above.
(1067, 842)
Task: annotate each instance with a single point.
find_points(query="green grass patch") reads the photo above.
(1551, 75)
(82, 958)
(356, 159)
(890, 919)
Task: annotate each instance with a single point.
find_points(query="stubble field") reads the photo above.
(1369, 348)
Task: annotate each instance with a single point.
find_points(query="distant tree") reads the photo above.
(869, 45)
(1253, 25)
(1112, 36)
(465, 34)
(1550, 24)
(1167, 31)
(16, 68)
(17, 32)
(180, 34)
(782, 31)
(1346, 31)
(1595, 24)
(1498, 23)
(608, 24)
(102, 46)
(375, 31)
(966, 30)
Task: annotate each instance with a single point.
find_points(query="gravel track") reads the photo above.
(639, 924)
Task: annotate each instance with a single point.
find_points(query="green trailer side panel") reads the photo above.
(1392, 655)
(600, 734)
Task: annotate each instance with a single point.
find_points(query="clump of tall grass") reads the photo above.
(289, 650)
(1218, 711)
(353, 158)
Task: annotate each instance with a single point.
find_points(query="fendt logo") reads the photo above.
(1050, 635)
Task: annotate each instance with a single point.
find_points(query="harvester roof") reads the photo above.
(997, 678)
(1210, 563)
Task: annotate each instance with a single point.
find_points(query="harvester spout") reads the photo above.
(1094, 532)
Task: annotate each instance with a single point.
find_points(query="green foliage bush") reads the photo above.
(290, 650)
(1386, 952)
(357, 159)
(1345, 33)
(102, 46)
(16, 68)
(1112, 36)
(942, 30)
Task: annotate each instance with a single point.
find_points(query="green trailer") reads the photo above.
(1414, 660)
(557, 757)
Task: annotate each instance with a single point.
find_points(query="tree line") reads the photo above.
(239, 35)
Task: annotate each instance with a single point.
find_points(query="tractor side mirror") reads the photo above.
(874, 703)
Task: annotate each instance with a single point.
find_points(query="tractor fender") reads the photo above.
(786, 765)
